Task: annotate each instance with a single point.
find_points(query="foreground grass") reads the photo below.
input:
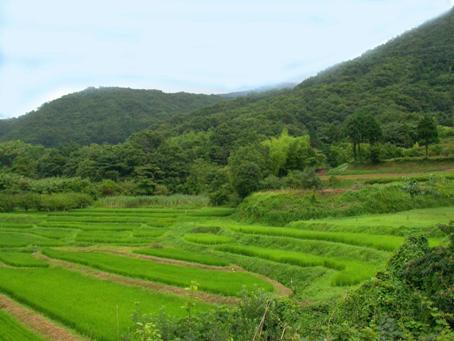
(220, 282)
(98, 309)
(13, 330)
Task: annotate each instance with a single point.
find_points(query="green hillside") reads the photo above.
(397, 82)
(104, 115)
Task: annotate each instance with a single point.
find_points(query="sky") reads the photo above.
(49, 48)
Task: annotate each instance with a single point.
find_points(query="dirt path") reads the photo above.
(37, 322)
(153, 286)
(281, 290)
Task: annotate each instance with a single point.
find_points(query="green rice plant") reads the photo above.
(21, 259)
(349, 272)
(54, 233)
(98, 309)
(379, 242)
(215, 281)
(111, 219)
(207, 238)
(90, 226)
(14, 225)
(16, 239)
(115, 237)
(13, 330)
(146, 234)
(401, 223)
(185, 255)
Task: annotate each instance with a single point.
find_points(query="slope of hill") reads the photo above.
(398, 81)
(104, 115)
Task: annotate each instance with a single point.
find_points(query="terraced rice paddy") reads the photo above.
(99, 263)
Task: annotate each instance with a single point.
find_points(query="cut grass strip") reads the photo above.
(350, 272)
(219, 282)
(184, 255)
(98, 309)
(21, 259)
(13, 330)
(379, 242)
(207, 238)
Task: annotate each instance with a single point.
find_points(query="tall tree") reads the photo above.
(427, 132)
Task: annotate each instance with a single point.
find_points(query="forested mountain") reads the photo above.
(396, 82)
(100, 115)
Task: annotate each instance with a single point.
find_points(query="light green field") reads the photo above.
(21, 259)
(318, 260)
(184, 255)
(221, 282)
(93, 307)
(401, 223)
(13, 330)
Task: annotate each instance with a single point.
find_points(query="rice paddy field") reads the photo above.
(88, 271)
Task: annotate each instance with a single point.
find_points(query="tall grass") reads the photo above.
(282, 207)
(176, 200)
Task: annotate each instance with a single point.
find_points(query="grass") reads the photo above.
(176, 200)
(184, 255)
(379, 242)
(118, 237)
(349, 272)
(219, 282)
(16, 239)
(284, 206)
(21, 259)
(97, 309)
(402, 223)
(207, 238)
(13, 330)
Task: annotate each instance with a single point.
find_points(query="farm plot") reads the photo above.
(100, 259)
(95, 308)
(13, 330)
(220, 282)
(184, 255)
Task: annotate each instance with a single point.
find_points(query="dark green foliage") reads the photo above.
(427, 132)
(411, 300)
(258, 317)
(104, 115)
(43, 202)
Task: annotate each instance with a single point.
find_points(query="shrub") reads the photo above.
(44, 202)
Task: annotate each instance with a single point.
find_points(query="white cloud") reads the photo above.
(53, 46)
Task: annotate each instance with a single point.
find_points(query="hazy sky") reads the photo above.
(52, 47)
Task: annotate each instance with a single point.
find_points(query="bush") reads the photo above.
(43, 202)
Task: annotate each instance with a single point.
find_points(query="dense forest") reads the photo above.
(394, 102)
(100, 115)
